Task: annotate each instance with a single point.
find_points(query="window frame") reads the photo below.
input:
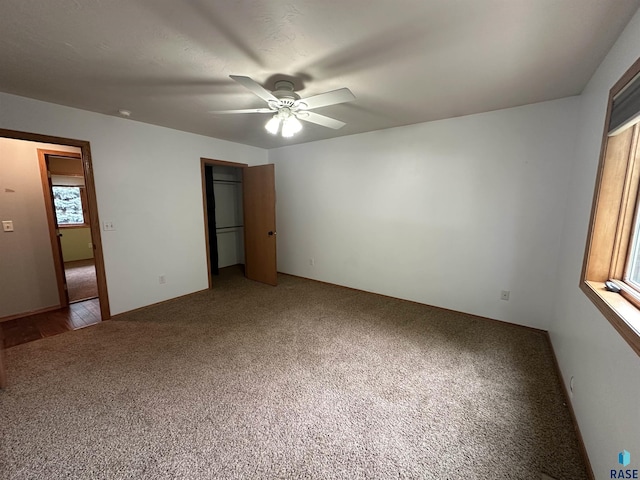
(83, 204)
(613, 211)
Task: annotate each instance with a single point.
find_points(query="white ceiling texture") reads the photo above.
(406, 61)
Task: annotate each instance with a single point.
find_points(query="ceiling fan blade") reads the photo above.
(246, 110)
(328, 98)
(255, 87)
(321, 120)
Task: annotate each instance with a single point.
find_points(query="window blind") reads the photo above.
(625, 110)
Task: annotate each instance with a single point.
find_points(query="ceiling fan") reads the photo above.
(288, 108)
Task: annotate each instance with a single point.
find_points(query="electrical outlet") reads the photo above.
(312, 261)
(90, 245)
(162, 279)
(504, 295)
(108, 226)
(7, 225)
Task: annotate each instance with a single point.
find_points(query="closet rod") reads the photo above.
(234, 226)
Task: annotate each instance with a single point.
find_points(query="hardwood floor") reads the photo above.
(26, 329)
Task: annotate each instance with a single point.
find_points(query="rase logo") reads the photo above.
(624, 459)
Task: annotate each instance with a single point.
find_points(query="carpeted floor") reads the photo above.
(81, 280)
(304, 380)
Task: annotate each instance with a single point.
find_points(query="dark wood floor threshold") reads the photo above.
(41, 325)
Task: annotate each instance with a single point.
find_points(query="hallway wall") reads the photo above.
(28, 279)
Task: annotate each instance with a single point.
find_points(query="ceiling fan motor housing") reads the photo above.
(284, 92)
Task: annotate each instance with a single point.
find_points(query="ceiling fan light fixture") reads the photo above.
(273, 125)
(291, 126)
(288, 108)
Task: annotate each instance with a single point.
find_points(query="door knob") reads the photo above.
(272, 233)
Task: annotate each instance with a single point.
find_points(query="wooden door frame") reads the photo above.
(94, 222)
(203, 163)
(54, 236)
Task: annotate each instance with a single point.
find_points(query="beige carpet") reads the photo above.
(81, 280)
(304, 380)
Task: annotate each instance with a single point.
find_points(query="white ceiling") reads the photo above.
(406, 61)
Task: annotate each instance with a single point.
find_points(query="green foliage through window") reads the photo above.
(68, 205)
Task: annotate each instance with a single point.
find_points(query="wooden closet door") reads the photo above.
(259, 204)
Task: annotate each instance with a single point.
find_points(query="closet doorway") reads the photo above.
(239, 217)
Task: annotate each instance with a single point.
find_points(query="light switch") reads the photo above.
(7, 225)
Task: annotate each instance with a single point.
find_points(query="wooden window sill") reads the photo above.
(83, 225)
(621, 313)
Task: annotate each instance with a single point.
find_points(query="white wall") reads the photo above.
(76, 244)
(148, 184)
(606, 395)
(27, 273)
(445, 213)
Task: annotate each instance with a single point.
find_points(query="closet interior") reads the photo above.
(227, 247)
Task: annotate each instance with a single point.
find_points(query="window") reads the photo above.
(613, 245)
(69, 203)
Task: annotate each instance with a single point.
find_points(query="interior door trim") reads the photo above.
(203, 163)
(54, 229)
